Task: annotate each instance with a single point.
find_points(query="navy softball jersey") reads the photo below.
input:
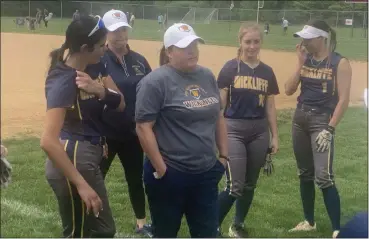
(248, 89)
(318, 82)
(126, 73)
(84, 111)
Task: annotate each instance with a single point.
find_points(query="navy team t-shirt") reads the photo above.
(248, 89)
(84, 111)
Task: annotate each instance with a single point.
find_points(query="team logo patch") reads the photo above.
(198, 98)
(195, 91)
(137, 70)
(117, 15)
(184, 28)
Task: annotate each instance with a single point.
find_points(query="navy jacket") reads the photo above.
(126, 73)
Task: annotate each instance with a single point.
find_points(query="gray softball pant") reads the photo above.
(308, 122)
(86, 157)
(248, 142)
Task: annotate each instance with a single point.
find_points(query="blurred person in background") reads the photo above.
(76, 15)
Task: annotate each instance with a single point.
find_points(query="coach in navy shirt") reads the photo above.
(126, 68)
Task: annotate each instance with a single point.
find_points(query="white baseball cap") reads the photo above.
(180, 35)
(115, 19)
(310, 32)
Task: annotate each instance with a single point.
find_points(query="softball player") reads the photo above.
(325, 78)
(179, 122)
(77, 90)
(127, 68)
(39, 17)
(247, 88)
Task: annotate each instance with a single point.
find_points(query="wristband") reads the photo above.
(111, 99)
(330, 129)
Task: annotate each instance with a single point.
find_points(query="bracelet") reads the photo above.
(111, 99)
(224, 157)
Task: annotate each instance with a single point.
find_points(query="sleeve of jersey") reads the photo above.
(225, 77)
(273, 88)
(149, 99)
(61, 91)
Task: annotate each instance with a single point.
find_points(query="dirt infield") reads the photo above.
(24, 61)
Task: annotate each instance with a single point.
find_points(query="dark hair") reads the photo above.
(163, 58)
(76, 35)
(322, 25)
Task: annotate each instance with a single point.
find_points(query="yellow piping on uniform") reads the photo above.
(79, 108)
(329, 157)
(230, 178)
(71, 197)
(83, 218)
(83, 209)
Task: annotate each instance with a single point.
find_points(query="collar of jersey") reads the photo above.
(113, 56)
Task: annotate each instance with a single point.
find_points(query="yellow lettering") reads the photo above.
(85, 96)
(200, 103)
(252, 83)
(318, 74)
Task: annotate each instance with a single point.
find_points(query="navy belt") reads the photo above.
(95, 140)
(313, 109)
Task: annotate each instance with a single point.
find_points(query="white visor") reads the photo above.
(180, 35)
(309, 32)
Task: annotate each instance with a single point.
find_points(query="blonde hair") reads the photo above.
(245, 28)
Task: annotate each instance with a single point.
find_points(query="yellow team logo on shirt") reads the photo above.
(195, 91)
(137, 70)
(198, 101)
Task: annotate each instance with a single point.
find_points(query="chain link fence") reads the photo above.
(190, 15)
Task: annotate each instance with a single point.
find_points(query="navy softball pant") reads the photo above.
(315, 166)
(86, 157)
(178, 193)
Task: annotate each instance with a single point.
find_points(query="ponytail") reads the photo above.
(239, 52)
(56, 56)
(333, 40)
(163, 58)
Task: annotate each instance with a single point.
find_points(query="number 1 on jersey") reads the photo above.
(261, 100)
(324, 86)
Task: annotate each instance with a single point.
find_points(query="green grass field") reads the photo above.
(29, 209)
(221, 33)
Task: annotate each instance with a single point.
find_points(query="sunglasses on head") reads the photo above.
(99, 25)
